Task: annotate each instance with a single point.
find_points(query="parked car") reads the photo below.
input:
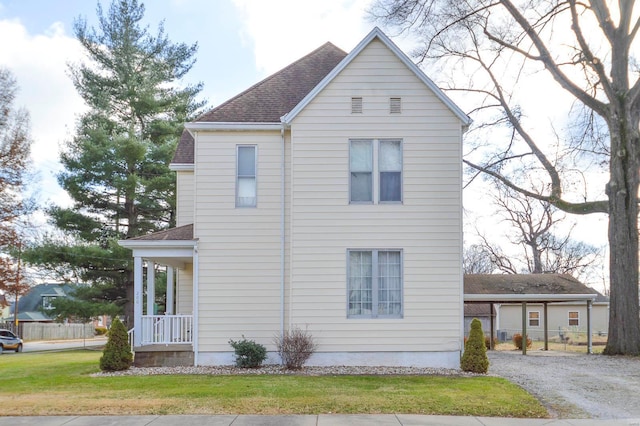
(9, 341)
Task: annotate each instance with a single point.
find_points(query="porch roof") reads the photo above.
(173, 247)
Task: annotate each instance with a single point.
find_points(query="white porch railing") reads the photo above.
(165, 329)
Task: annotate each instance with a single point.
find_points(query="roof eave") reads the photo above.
(157, 244)
(496, 298)
(196, 126)
(181, 167)
(376, 32)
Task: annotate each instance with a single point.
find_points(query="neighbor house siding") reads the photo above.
(185, 201)
(511, 319)
(426, 226)
(238, 247)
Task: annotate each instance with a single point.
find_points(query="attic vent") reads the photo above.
(395, 105)
(356, 105)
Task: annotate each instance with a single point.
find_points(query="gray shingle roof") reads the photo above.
(180, 233)
(524, 284)
(270, 99)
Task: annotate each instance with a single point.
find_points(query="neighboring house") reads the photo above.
(327, 197)
(32, 305)
(565, 299)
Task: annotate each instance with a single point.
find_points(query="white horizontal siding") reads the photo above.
(185, 198)
(239, 248)
(426, 226)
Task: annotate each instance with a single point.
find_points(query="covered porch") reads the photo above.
(157, 338)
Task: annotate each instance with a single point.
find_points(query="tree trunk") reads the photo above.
(622, 189)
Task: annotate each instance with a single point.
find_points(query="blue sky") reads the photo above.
(240, 42)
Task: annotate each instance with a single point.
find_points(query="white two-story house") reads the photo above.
(328, 197)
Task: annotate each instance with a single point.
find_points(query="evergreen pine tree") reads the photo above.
(116, 166)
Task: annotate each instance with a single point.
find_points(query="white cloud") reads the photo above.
(284, 30)
(39, 63)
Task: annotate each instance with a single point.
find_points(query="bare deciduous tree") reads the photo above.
(495, 50)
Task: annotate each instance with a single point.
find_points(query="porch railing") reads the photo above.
(165, 329)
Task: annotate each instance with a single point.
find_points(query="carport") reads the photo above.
(528, 288)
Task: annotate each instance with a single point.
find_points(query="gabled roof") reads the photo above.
(30, 305)
(377, 33)
(281, 96)
(526, 287)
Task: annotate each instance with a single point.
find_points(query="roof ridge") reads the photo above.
(271, 77)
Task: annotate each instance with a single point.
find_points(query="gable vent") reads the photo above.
(395, 105)
(356, 105)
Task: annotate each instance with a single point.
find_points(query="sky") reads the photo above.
(240, 42)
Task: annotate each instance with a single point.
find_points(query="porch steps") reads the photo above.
(163, 356)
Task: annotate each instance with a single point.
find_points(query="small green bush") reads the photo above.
(295, 347)
(101, 331)
(249, 354)
(117, 354)
(475, 358)
(517, 341)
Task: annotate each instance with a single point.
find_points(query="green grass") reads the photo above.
(61, 384)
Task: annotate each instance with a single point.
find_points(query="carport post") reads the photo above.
(491, 326)
(589, 342)
(546, 328)
(524, 328)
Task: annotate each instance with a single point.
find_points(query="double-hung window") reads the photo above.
(375, 168)
(374, 284)
(534, 319)
(246, 193)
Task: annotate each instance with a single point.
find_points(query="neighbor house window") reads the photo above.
(574, 318)
(246, 194)
(375, 169)
(534, 319)
(47, 302)
(374, 284)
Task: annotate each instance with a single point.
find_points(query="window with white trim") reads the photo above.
(246, 185)
(375, 170)
(534, 318)
(574, 318)
(374, 284)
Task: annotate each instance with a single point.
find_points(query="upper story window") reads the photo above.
(375, 169)
(374, 284)
(246, 185)
(47, 302)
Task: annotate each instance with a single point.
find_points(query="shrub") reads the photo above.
(101, 331)
(249, 354)
(517, 340)
(117, 354)
(475, 358)
(295, 347)
(487, 341)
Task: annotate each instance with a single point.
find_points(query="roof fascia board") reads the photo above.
(157, 244)
(196, 126)
(527, 297)
(376, 32)
(181, 167)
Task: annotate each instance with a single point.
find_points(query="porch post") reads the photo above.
(151, 287)
(546, 328)
(169, 308)
(137, 300)
(524, 328)
(589, 342)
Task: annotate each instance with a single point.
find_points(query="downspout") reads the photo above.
(282, 233)
(196, 308)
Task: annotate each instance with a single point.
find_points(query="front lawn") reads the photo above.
(60, 384)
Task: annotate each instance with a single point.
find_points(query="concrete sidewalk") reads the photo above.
(303, 420)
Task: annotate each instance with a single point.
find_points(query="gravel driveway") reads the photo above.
(574, 385)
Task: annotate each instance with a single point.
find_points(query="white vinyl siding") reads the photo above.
(427, 225)
(184, 195)
(238, 248)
